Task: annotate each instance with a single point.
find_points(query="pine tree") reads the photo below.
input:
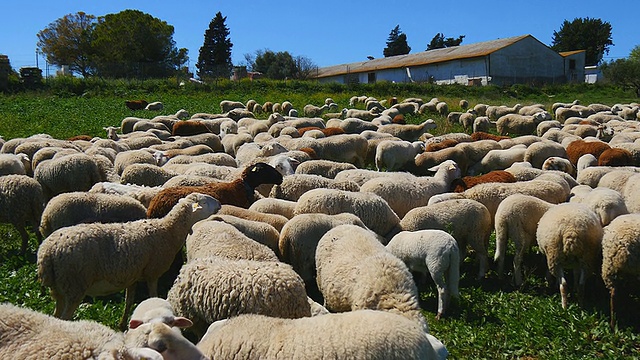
(396, 43)
(214, 60)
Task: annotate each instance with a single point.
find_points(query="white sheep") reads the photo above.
(164, 339)
(516, 124)
(616, 179)
(228, 105)
(85, 207)
(359, 335)
(275, 220)
(355, 271)
(373, 210)
(143, 194)
(539, 151)
(498, 159)
(606, 203)
(310, 110)
(274, 206)
(620, 255)
(143, 175)
(570, 236)
(17, 164)
(362, 114)
(517, 219)
(404, 194)
(392, 155)
(215, 288)
(453, 216)
(293, 186)
(435, 252)
(98, 259)
(28, 334)
(631, 193)
(21, 203)
(361, 176)
(408, 132)
(155, 309)
(559, 164)
(76, 172)
(325, 168)
(154, 106)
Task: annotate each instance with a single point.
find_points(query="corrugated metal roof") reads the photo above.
(421, 58)
(569, 53)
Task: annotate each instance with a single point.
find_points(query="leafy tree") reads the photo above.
(396, 43)
(591, 35)
(215, 54)
(305, 67)
(439, 41)
(281, 65)
(624, 72)
(67, 41)
(134, 44)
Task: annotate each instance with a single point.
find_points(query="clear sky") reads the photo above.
(328, 32)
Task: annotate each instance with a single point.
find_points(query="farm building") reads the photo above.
(519, 59)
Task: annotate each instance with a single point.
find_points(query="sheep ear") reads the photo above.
(181, 322)
(195, 207)
(134, 323)
(254, 169)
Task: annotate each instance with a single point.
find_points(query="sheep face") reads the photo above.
(261, 173)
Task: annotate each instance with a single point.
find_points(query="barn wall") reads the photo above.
(526, 61)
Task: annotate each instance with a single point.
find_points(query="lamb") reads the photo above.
(393, 155)
(606, 203)
(17, 164)
(620, 256)
(274, 206)
(215, 237)
(76, 172)
(155, 309)
(404, 195)
(214, 288)
(82, 207)
(73, 264)
(517, 219)
(325, 168)
(570, 236)
(373, 210)
(408, 132)
(362, 334)
(452, 216)
(154, 106)
(239, 192)
(498, 159)
(299, 239)
(433, 251)
(28, 334)
(21, 203)
(312, 110)
(467, 182)
(355, 271)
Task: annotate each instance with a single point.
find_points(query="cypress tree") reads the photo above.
(214, 60)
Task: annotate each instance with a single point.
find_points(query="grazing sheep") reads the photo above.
(570, 236)
(28, 334)
(408, 132)
(85, 207)
(482, 124)
(373, 210)
(239, 192)
(73, 263)
(146, 175)
(154, 106)
(355, 271)
(215, 237)
(354, 126)
(433, 251)
(538, 152)
(402, 195)
(392, 155)
(453, 216)
(310, 110)
(16, 164)
(228, 105)
(620, 256)
(516, 124)
(496, 112)
(577, 148)
(467, 182)
(559, 164)
(293, 186)
(427, 160)
(143, 194)
(189, 127)
(442, 108)
(358, 335)
(126, 158)
(274, 220)
(498, 159)
(136, 104)
(325, 168)
(367, 115)
(517, 219)
(274, 206)
(76, 172)
(615, 157)
(606, 203)
(299, 239)
(215, 288)
(21, 203)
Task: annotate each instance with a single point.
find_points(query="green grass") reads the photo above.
(492, 319)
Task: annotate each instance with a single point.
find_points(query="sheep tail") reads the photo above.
(46, 272)
(572, 244)
(453, 273)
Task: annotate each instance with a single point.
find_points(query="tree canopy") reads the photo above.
(591, 35)
(439, 41)
(624, 72)
(281, 65)
(214, 59)
(396, 43)
(67, 41)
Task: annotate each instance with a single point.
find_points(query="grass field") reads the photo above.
(491, 320)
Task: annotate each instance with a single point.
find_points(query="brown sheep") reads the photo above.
(188, 128)
(480, 135)
(239, 192)
(467, 182)
(439, 145)
(136, 104)
(580, 147)
(615, 157)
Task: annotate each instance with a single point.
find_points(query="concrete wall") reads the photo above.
(527, 61)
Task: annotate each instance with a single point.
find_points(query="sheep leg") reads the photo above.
(152, 287)
(443, 294)
(129, 295)
(65, 307)
(580, 274)
(501, 249)
(25, 238)
(612, 298)
(563, 287)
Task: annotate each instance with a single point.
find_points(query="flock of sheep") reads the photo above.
(295, 246)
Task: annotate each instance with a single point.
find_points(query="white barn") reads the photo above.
(514, 60)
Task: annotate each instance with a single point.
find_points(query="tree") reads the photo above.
(591, 35)
(214, 59)
(67, 41)
(281, 65)
(134, 44)
(624, 72)
(439, 41)
(396, 43)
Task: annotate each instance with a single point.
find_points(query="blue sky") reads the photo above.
(328, 32)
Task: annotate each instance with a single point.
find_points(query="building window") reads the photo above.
(371, 77)
(572, 64)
